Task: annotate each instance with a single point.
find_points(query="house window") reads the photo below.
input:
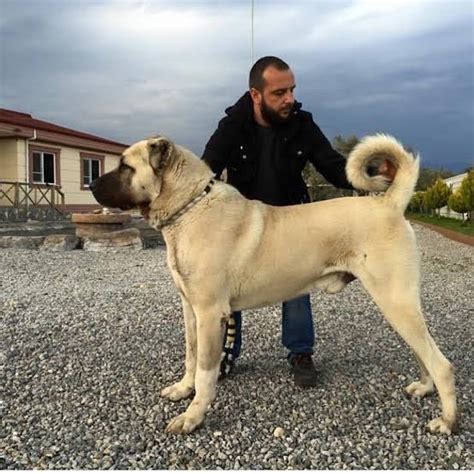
(91, 168)
(44, 167)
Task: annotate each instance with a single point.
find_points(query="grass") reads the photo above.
(455, 225)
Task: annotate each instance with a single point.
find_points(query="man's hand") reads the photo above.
(387, 169)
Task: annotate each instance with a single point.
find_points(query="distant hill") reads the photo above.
(456, 167)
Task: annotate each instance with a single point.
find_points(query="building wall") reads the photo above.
(9, 157)
(454, 182)
(447, 212)
(70, 171)
(21, 148)
(13, 168)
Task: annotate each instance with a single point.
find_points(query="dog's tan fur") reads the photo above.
(229, 253)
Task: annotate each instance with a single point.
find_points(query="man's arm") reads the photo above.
(327, 161)
(332, 165)
(216, 153)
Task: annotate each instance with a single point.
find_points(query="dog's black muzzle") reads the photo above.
(110, 191)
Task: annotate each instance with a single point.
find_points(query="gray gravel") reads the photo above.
(89, 339)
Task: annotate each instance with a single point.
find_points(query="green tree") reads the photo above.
(416, 202)
(319, 189)
(345, 145)
(467, 189)
(437, 195)
(457, 203)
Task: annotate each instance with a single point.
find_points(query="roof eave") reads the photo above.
(13, 131)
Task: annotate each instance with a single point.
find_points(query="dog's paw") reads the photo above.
(440, 425)
(419, 389)
(177, 391)
(183, 424)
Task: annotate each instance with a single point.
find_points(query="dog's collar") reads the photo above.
(186, 207)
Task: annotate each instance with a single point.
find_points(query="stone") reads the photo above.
(21, 242)
(119, 218)
(58, 242)
(279, 432)
(91, 225)
(128, 238)
(96, 230)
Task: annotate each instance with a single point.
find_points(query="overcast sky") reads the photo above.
(126, 69)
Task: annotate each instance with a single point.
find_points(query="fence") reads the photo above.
(20, 195)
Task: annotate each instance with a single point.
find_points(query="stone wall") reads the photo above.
(62, 234)
(23, 214)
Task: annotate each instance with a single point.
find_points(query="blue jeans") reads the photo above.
(297, 328)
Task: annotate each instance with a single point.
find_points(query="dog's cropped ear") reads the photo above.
(160, 150)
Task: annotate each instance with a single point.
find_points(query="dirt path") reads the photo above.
(450, 234)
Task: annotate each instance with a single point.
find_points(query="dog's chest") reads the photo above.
(173, 258)
(173, 263)
(176, 266)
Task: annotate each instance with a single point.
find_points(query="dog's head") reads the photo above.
(136, 182)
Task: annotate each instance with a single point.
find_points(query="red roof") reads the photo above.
(26, 120)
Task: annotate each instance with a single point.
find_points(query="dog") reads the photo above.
(228, 253)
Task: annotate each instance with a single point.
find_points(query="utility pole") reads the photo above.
(252, 37)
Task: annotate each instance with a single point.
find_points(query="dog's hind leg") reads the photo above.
(424, 386)
(210, 326)
(185, 387)
(399, 302)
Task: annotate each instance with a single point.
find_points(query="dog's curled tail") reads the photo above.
(369, 154)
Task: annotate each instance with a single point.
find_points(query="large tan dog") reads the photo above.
(228, 253)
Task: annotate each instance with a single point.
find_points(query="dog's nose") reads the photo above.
(93, 185)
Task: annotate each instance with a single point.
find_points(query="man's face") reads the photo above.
(276, 100)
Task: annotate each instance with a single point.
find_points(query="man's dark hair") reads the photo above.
(256, 80)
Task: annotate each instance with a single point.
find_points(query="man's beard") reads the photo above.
(271, 116)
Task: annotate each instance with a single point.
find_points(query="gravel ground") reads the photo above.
(89, 339)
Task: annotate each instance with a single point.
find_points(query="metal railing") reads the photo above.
(21, 194)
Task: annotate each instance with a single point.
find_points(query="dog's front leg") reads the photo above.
(210, 324)
(184, 388)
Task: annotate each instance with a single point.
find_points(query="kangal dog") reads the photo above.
(228, 253)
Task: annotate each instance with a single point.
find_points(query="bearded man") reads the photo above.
(264, 142)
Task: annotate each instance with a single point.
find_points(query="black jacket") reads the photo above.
(234, 146)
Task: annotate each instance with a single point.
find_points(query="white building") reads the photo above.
(454, 182)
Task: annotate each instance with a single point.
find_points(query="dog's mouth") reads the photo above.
(144, 208)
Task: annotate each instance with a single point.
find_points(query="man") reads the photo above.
(264, 143)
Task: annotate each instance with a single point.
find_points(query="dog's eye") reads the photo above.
(124, 167)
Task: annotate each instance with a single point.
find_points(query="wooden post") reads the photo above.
(17, 195)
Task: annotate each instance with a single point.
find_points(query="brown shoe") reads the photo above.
(304, 372)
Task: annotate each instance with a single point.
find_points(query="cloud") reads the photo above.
(125, 69)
